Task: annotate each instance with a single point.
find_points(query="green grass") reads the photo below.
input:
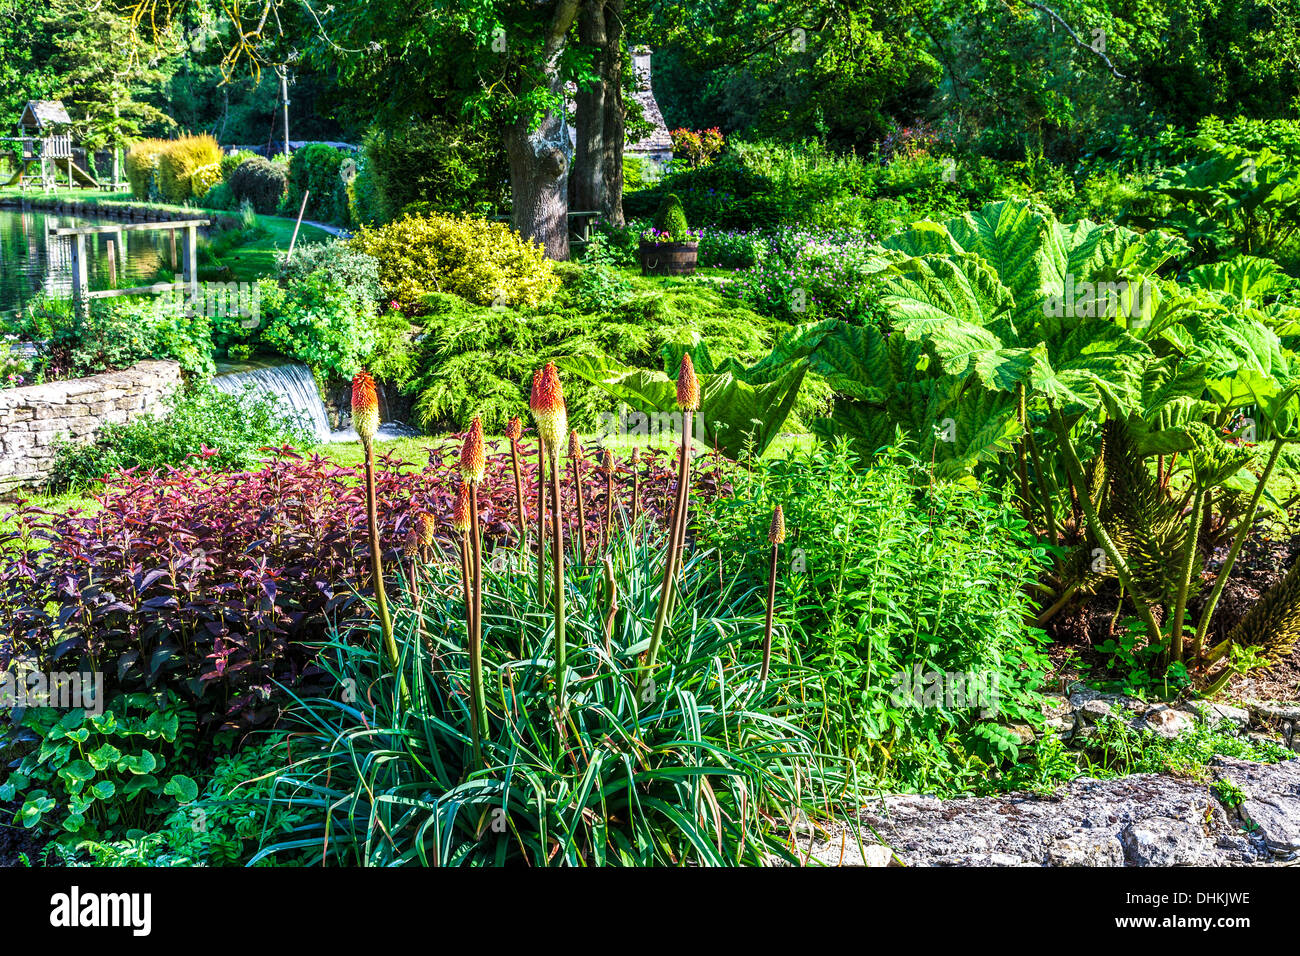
(416, 450)
(56, 503)
(348, 454)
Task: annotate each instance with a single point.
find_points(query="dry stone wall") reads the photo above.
(32, 417)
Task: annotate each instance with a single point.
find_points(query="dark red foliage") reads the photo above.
(212, 582)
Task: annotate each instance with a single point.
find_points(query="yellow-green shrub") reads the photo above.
(187, 167)
(485, 262)
(141, 163)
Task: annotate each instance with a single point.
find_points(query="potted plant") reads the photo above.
(669, 247)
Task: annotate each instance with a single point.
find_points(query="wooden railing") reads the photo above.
(81, 294)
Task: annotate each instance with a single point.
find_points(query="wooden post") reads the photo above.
(191, 263)
(112, 264)
(80, 278)
(297, 225)
(171, 240)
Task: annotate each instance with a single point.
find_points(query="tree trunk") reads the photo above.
(538, 160)
(538, 182)
(611, 205)
(587, 182)
(597, 179)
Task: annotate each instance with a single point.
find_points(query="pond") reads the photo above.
(33, 262)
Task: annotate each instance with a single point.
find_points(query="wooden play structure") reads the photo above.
(45, 144)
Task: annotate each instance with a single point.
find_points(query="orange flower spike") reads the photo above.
(460, 515)
(776, 534)
(688, 386)
(575, 446)
(365, 407)
(515, 429)
(472, 461)
(548, 408)
(424, 528)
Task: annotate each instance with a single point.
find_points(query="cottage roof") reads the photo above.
(657, 140)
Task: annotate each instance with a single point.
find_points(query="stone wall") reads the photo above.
(32, 417)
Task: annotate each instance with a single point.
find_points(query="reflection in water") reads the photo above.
(33, 262)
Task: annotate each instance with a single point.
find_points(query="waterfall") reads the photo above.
(291, 385)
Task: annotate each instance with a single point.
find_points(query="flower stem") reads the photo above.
(767, 624)
(557, 563)
(676, 527)
(582, 511)
(541, 521)
(478, 721)
(519, 498)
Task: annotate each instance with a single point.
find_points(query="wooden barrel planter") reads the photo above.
(669, 258)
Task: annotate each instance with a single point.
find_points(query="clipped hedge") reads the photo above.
(487, 263)
(261, 182)
(188, 168)
(173, 170)
(314, 171)
(142, 161)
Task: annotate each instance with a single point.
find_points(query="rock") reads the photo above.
(878, 855)
(1094, 710)
(1267, 713)
(1024, 733)
(844, 851)
(1085, 848)
(1079, 825)
(1163, 841)
(1279, 825)
(1058, 716)
(1215, 713)
(1168, 722)
(1271, 809)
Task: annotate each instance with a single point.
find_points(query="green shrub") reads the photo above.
(117, 333)
(484, 262)
(475, 360)
(199, 421)
(317, 322)
(219, 196)
(886, 574)
(339, 262)
(188, 168)
(232, 815)
(232, 161)
(260, 182)
(454, 167)
(314, 171)
(142, 161)
(670, 218)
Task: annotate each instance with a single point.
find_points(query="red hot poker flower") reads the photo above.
(472, 460)
(548, 408)
(688, 386)
(460, 516)
(365, 406)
